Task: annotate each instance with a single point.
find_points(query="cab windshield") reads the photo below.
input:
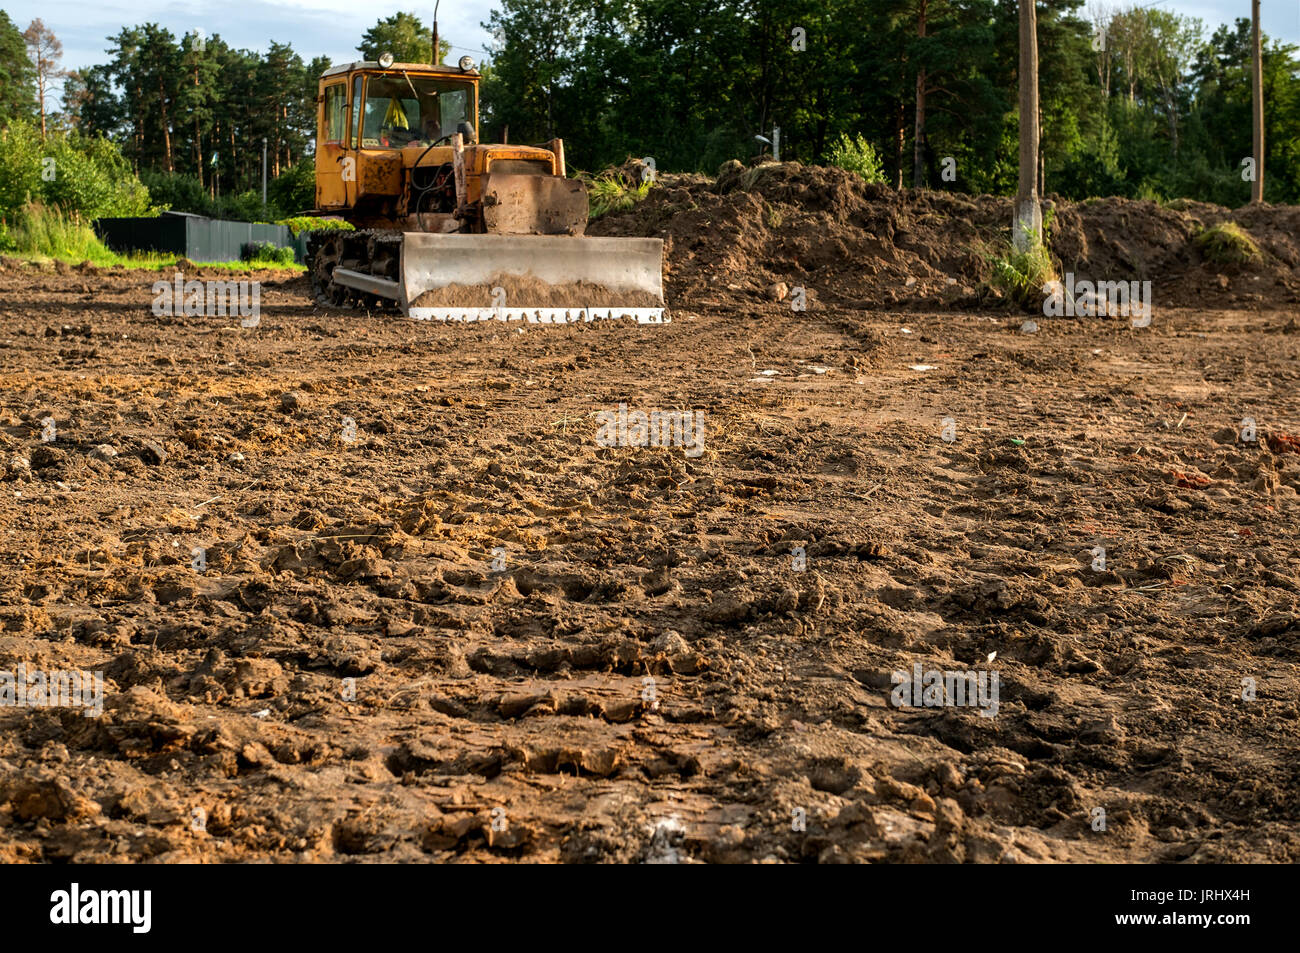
(402, 110)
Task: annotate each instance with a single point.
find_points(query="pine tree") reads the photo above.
(44, 50)
(17, 78)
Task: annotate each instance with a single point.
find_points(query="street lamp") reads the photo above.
(774, 142)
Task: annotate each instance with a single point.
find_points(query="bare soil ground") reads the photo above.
(472, 633)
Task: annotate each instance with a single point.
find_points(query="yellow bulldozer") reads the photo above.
(448, 228)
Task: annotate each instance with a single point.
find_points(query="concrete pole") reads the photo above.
(264, 170)
(1027, 229)
(1257, 106)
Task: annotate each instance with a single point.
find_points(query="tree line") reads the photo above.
(189, 113)
(1134, 101)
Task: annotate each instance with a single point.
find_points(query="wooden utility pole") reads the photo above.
(1257, 107)
(1027, 229)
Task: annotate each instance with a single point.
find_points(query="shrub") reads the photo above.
(245, 207)
(92, 180)
(858, 156)
(83, 177)
(267, 252)
(294, 190)
(20, 168)
(1021, 275)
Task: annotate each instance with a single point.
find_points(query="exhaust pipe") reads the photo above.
(436, 59)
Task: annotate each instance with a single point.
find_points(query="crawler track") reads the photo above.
(372, 251)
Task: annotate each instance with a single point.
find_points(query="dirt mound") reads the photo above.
(857, 245)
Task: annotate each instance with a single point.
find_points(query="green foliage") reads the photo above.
(295, 190)
(267, 253)
(48, 233)
(91, 179)
(178, 192)
(82, 177)
(1163, 110)
(857, 155)
(244, 207)
(202, 112)
(20, 167)
(182, 192)
(40, 233)
(404, 35)
(301, 223)
(1021, 275)
(1150, 192)
(17, 86)
(1228, 244)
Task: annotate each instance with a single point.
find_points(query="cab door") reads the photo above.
(331, 146)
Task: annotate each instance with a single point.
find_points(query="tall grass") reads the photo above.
(47, 233)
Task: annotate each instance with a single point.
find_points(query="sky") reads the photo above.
(313, 27)
(333, 27)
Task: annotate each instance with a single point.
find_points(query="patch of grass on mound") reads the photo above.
(615, 190)
(1228, 244)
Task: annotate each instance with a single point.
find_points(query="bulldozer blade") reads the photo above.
(631, 266)
(533, 205)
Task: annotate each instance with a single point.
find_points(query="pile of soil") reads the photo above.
(855, 245)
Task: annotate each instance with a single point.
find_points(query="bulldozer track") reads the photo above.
(372, 251)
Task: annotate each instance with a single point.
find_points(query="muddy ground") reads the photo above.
(464, 631)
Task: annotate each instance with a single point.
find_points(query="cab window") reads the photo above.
(336, 105)
(422, 110)
(356, 110)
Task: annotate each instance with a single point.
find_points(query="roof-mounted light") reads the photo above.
(385, 60)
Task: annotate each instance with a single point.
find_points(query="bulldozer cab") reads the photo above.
(365, 112)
